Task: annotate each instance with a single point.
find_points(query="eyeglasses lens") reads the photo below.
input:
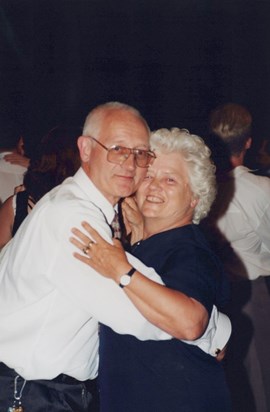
(119, 155)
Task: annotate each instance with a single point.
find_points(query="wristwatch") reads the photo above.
(126, 278)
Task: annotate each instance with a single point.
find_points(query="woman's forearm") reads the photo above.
(168, 309)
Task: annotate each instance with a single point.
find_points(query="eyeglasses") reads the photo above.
(119, 154)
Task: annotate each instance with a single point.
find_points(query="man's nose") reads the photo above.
(129, 162)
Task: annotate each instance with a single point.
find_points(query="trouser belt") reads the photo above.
(62, 378)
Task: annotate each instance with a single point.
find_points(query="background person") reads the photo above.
(170, 375)
(263, 158)
(13, 163)
(56, 158)
(240, 219)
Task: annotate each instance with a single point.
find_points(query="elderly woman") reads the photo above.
(171, 375)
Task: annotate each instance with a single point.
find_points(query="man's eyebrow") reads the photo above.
(139, 146)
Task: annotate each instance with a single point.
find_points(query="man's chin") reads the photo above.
(125, 190)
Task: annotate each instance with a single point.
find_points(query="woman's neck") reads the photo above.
(152, 226)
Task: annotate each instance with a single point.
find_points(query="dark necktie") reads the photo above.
(116, 228)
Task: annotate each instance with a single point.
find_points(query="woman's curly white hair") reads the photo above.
(201, 170)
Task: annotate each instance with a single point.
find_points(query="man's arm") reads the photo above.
(17, 159)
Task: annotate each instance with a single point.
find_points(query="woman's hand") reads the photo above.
(133, 219)
(109, 260)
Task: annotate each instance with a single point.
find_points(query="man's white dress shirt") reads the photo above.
(11, 176)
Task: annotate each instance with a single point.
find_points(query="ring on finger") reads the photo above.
(86, 250)
(90, 243)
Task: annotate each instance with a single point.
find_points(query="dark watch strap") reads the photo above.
(127, 275)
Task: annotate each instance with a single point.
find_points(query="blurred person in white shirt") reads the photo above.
(13, 163)
(241, 218)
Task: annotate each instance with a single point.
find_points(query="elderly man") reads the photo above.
(49, 304)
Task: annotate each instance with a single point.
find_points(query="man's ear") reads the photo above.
(85, 146)
(248, 143)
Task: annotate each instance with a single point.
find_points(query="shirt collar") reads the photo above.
(94, 194)
(239, 170)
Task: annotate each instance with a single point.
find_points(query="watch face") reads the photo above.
(125, 280)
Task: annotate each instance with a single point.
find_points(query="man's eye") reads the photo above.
(117, 148)
(140, 152)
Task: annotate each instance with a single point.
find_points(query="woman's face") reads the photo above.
(165, 194)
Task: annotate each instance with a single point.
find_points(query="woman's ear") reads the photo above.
(85, 146)
(194, 203)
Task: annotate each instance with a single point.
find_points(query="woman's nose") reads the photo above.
(154, 183)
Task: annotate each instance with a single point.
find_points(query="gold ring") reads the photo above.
(86, 250)
(90, 243)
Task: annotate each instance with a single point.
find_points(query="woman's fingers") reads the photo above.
(130, 201)
(85, 243)
(80, 235)
(127, 208)
(83, 237)
(85, 259)
(92, 232)
(77, 243)
(97, 253)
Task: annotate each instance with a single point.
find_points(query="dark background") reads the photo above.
(174, 60)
